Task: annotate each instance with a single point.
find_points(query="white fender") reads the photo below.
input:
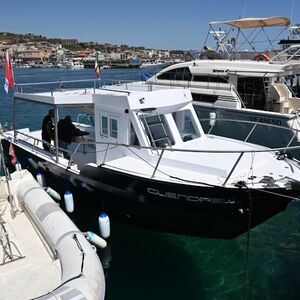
(40, 179)
(212, 118)
(18, 166)
(96, 239)
(54, 194)
(104, 225)
(69, 202)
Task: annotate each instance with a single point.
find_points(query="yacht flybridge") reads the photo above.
(245, 38)
(146, 161)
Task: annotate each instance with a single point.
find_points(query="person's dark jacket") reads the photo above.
(66, 130)
(47, 128)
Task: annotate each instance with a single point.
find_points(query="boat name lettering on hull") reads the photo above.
(172, 195)
(265, 120)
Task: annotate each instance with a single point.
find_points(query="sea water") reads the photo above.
(143, 264)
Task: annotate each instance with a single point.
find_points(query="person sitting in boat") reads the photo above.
(209, 53)
(66, 131)
(48, 129)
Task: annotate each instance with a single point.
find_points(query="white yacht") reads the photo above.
(146, 161)
(76, 65)
(241, 96)
(152, 64)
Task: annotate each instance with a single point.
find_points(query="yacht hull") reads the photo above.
(183, 208)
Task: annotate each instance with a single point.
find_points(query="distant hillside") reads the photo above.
(16, 38)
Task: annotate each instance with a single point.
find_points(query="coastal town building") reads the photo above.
(30, 50)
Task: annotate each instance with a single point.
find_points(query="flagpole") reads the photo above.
(56, 133)
(7, 178)
(14, 119)
(9, 84)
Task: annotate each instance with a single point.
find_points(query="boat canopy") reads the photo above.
(255, 22)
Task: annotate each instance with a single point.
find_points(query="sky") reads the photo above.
(164, 24)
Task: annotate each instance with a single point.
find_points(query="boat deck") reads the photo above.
(34, 271)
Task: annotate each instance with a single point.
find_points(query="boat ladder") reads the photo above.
(154, 128)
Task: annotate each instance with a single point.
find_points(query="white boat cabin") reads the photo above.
(151, 119)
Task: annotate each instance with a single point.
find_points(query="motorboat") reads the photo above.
(145, 160)
(43, 254)
(255, 99)
(152, 64)
(76, 65)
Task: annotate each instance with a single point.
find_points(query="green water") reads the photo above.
(151, 265)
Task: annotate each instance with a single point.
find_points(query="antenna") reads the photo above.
(245, 9)
(292, 10)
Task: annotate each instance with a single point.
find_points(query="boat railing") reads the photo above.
(66, 85)
(52, 86)
(290, 53)
(160, 151)
(34, 142)
(281, 151)
(235, 91)
(105, 82)
(295, 131)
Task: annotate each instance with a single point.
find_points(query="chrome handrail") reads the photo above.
(251, 131)
(100, 82)
(233, 168)
(157, 164)
(280, 54)
(37, 140)
(156, 167)
(268, 149)
(254, 124)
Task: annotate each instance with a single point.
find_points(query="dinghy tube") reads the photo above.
(81, 271)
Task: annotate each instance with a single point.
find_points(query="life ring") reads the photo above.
(261, 57)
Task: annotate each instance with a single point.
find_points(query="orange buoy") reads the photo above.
(261, 57)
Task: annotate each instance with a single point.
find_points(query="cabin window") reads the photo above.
(185, 125)
(133, 137)
(210, 78)
(204, 97)
(157, 129)
(104, 125)
(108, 126)
(113, 128)
(177, 74)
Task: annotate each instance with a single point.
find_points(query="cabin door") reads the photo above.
(252, 92)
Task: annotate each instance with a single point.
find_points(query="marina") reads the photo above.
(150, 150)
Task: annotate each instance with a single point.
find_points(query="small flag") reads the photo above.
(9, 77)
(97, 67)
(12, 153)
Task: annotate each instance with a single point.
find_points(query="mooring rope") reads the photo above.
(247, 247)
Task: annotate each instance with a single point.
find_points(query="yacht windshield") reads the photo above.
(185, 125)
